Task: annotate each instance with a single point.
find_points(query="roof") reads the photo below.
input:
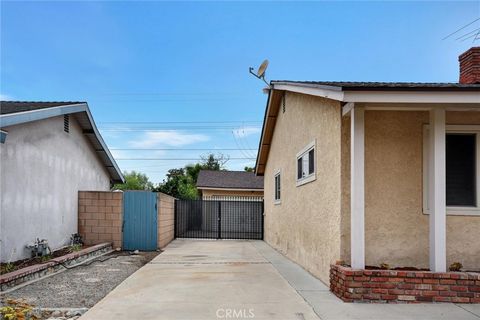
(7, 107)
(373, 94)
(385, 86)
(18, 112)
(229, 180)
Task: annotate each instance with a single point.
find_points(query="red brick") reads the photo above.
(474, 288)
(429, 293)
(447, 293)
(466, 282)
(447, 281)
(396, 291)
(460, 299)
(440, 287)
(459, 288)
(442, 299)
(431, 281)
(466, 294)
(361, 278)
(381, 291)
(353, 284)
(406, 286)
(379, 279)
(388, 297)
(413, 280)
(425, 298)
(423, 286)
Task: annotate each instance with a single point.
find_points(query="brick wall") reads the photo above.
(404, 286)
(100, 217)
(165, 220)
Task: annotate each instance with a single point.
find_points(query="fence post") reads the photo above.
(219, 220)
(175, 221)
(263, 218)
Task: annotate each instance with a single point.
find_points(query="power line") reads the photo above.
(468, 24)
(179, 149)
(166, 122)
(176, 159)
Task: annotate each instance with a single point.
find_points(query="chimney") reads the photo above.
(470, 66)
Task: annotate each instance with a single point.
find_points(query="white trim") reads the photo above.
(310, 177)
(451, 211)
(229, 189)
(393, 96)
(437, 191)
(275, 200)
(313, 91)
(357, 187)
(347, 108)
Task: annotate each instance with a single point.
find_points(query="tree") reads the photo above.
(134, 181)
(181, 182)
(249, 169)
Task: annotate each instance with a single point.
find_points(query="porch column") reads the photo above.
(437, 191)
(357, 185)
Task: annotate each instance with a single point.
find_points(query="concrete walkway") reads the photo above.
(199, 279)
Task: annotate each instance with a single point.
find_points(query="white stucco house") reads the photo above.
(49, 151)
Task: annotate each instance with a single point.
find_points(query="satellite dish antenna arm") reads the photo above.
(260, 74)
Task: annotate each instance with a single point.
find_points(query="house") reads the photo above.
(221, 185)
(371, 173)
(49, 152)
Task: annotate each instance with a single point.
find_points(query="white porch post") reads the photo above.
(437, 191)
(357, 185)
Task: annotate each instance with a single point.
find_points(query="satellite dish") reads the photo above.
(261, 70)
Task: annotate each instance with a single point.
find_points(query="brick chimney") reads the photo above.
(470, 66)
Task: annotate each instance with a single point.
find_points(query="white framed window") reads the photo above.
(462, 155)
(306, 164)
(277, 191)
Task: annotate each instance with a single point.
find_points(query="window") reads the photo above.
(306, 164)
(277, 188)
(462, 150)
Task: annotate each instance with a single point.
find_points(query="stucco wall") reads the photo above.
(396, 230)
(220, 192)
(306, 225)
(42, 170)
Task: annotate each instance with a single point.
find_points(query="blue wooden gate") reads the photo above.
(140, 220)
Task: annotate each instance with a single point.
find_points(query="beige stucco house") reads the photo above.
(226, 185)
(373, 173)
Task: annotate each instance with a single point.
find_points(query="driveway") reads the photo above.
(201, 279)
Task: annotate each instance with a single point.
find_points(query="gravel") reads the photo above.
(83, 286)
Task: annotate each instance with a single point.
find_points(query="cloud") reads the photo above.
(245, 131)
(5, 97)
(172, 138)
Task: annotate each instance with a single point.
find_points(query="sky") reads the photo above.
(172, 77)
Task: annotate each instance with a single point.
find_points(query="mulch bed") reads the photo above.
(37, 260)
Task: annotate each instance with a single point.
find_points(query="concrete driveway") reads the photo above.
(201, 279)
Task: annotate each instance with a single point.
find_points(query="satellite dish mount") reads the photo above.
(260, 74)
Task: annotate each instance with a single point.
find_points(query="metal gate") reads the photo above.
(139, 220)
(219, 219)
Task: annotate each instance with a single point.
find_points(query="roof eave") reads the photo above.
(12, 119)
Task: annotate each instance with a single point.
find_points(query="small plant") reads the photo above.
(45, 258)
(75, 248)
(456, 266)
(16, 310)
(8, 267)
(384, 266)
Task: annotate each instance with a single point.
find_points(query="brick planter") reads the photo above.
(392, 286)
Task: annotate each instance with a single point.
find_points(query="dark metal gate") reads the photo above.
(219, 219)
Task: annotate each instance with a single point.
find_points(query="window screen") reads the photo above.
(299, 168)
(461, 169)
(311, 161)
(277, 187)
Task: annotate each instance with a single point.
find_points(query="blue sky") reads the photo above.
(143, 65)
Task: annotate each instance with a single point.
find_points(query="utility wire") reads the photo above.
(176, 159)
(179, 149)
(468, 24)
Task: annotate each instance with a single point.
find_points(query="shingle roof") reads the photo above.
(365, 86)
(229, 180)
(8, 107)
